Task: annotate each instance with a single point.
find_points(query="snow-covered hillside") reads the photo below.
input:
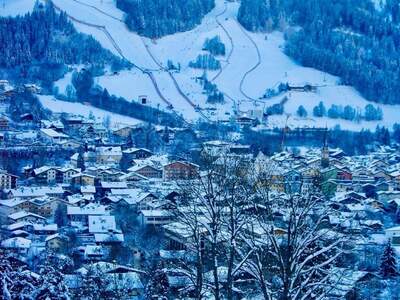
(58, 106)
(253, 63)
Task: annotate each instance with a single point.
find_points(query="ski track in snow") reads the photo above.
(103, 28)
(239, 79)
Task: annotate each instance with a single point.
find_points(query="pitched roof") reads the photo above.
(21, 214)
(102, 224)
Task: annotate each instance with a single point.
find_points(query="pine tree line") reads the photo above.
(155, 18)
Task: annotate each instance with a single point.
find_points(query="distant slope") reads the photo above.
(351, 39)
(39, 45)
(181, 48)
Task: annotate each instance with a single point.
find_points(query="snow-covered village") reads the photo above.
(199, 149)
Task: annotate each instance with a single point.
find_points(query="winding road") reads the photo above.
(252, 68)
(231, 42)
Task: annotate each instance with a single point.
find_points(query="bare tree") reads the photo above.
(292, 251)
(213, 210)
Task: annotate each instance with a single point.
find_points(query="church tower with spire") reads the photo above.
(325, 151)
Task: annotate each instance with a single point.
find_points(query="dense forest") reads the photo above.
(347, 38)
(157, 18)
(39, 45)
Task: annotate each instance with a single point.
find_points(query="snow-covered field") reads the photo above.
(242, 88)
(58, 106)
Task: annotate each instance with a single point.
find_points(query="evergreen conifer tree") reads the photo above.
(388, 267)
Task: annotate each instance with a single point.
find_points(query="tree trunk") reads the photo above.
(215, 270)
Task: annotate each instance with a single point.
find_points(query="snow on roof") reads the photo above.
(132, 175)
(76, 198)
(90, 209)
(102, 224)
(19, 232)
(11, 202)
(108, 237)
(180, 229)
(53, 236)
(109, 151)
(88, 189)
(133, 150)
(36, 191)
(22, 214)
(16, 242)
(94, 250)
(45, 227)
(133, 193)
(42, 169)
(396, 228)
(18, 225)
(113, 185)
(156, 213)
(52, 133)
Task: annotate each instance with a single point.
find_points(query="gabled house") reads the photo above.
(45, 175)
(137, 153)
(81, 214)
(180, 170)
(51, 136)
(23, 216)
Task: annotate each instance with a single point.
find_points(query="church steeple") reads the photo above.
(325, 151)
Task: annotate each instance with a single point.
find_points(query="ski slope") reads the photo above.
(254, 62)
(58, 106)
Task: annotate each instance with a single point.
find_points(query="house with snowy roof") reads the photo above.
(147, 170)
(345, 283)
(132, 179)
(109, 174)
(393, 234)
(108, 155)
(51, 136)
(56, 242)
(137, 197)
(81, 214)
(23, 216)
(45, 175)
(10, 206)
(136, 153)
(83, 179)
(156, 217)
(180, 170)
(93, 253)
(44, 206)
(88, 190)
(35, 192)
